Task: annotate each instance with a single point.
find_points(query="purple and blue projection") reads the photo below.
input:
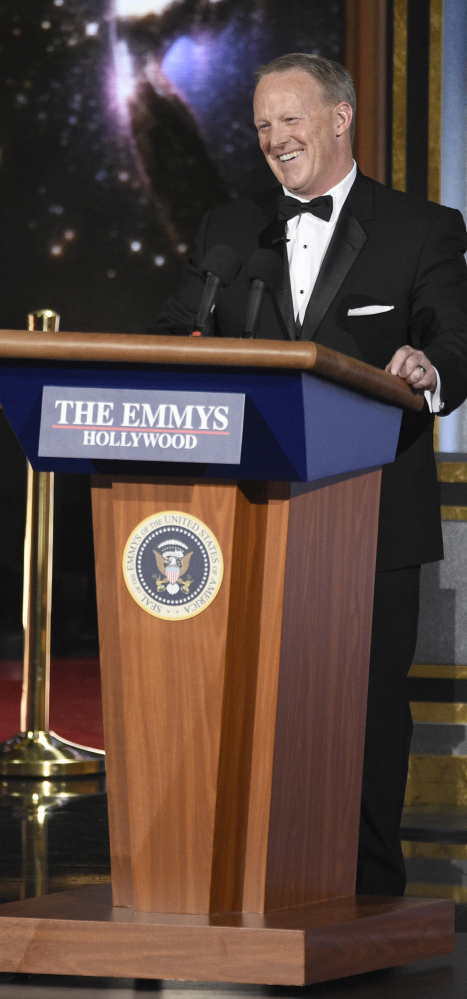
(122, 123)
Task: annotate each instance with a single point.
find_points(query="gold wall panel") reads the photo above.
(438, 672)
(434, 851)
(443, 712)
(436, 780)
(454, 513)
(452, 471)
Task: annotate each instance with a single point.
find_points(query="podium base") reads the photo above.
(79, 932)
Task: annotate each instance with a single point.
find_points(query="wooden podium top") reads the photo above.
(126, 348)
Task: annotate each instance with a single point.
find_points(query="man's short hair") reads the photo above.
(335, 81)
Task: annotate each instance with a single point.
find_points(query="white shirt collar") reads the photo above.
(339, 194)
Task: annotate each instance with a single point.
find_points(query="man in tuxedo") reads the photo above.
(381, 277)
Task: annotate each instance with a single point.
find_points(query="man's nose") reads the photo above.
(279, 134)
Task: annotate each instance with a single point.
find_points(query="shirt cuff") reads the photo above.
(434, 400)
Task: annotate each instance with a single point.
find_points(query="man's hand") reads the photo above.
(414, 367)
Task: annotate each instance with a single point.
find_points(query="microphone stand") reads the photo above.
(255, 301)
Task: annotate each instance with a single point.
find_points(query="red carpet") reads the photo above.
(75, 700)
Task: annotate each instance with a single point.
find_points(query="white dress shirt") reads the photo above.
(308, 238)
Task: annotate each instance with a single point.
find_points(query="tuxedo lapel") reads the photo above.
(283, 295)
(273, 238)
(347, 241)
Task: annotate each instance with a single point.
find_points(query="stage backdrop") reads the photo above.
(122, 122)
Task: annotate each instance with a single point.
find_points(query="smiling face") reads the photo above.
(305, 141)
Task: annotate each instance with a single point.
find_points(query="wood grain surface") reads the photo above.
(78, 932)
(366, 46)
(266, 698)
(239, 697)
(173, 683)
(195, 732)
(115, 734)
(144, 349)
(235, 738)
(321, 708)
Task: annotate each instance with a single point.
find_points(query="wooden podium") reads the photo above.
(234, 738)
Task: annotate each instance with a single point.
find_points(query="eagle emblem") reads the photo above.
(173, 563)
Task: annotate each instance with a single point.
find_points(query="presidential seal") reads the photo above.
(173, 565)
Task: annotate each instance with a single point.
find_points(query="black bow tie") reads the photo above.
(290, 207)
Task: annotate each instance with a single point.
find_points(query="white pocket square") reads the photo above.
(369, 310)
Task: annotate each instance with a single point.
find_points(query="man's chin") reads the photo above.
(289, 180)
(294, 183)
(295, 188)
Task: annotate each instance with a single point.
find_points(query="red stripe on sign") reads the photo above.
(138, 430)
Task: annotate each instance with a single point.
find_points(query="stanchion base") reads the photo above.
(32, 793)
(44, 754)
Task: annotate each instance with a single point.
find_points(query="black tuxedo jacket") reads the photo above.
(386, 249)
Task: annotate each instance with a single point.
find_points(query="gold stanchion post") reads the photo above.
(36, 752)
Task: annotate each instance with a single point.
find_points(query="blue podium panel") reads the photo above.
(297, 427)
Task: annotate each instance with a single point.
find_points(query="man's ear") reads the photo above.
(344, 115)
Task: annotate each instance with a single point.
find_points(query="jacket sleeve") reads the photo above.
(178, 314)
(439, 306)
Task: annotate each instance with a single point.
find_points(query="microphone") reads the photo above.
(221, 265)
(263, 271)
